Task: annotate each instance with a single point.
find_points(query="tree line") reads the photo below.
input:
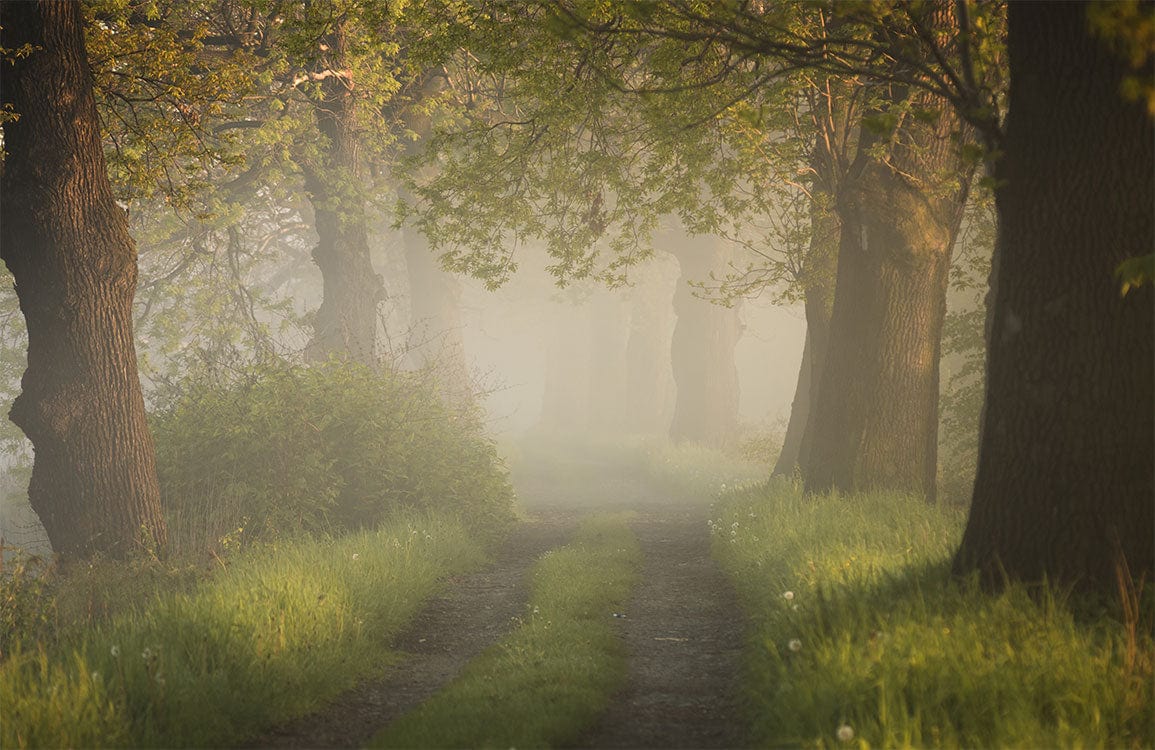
(851, 135)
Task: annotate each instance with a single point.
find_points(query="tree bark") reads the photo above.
(1065, 488)
(67, 244)
(435, 335)
(609, 331)
(346, 322)
(799, 413)
(649, 382)
(702, 350)
(876, 417)
(818, 280)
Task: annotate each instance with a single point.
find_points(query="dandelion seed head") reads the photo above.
(356, 556)
(845, 733)
(788, 595)
(115, 651)
(794, 645)
(146, 654)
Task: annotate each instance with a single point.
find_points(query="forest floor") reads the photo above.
(682, 628)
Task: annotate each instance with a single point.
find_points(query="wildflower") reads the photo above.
(355, 555)
(788, 596)
(146, 654)
(115, 651)
(96, 676)
(794, 645)
(845, 733)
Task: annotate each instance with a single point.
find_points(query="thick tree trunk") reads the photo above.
(876, 416)
(609, 331)
(565, 404)
(435, 335)
(346, 322)
(702, 350)
(67, 244)
(649, 382)
(799, 412)
(818, 280)
(1066, 477)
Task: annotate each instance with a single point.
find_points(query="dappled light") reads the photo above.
(535, 373)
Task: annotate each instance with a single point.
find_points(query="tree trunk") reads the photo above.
(565, 405)
(435, 335)
(346, 322)
(799, 412)
(67, 244)
(649, 382)
(702, 350)
(609, 330)
(1066, 477)
(876, 417)
(818, 279)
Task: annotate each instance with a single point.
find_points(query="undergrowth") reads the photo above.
(862, 638)
(281, 630)
(283, 449)
(544, 683)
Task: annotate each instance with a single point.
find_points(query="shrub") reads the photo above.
(330, 447)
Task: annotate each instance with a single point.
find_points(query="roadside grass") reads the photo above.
(283, 629)
(861, 637)
(547, 681)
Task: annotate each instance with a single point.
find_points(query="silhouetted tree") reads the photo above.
(1066, 477)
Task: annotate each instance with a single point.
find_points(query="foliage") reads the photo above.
(283, 449)
(276, 634)
(1135, 272)
(964, 350)
(860, 631)
(545, 682)
(1128, 27)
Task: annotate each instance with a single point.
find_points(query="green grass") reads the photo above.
(547, 681)
(276, 634)
(857, 624)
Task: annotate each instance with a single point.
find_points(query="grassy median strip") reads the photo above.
(549, 679)
(278, 633)
(863, 639)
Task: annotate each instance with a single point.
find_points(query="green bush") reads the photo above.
(330, 447)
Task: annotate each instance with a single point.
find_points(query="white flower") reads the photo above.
(115, 651)
(355, 555)
(95, 676)
(845, 733)
(788, 596)
(794, 645)
(146, 654)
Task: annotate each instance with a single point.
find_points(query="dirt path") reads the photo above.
(473, 612)
(683, 632)
(682, 628)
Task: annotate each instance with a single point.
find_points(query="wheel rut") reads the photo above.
(473, 612)
(683, 634)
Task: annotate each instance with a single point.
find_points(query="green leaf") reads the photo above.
(1135, 272)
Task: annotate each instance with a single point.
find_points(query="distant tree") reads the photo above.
(67, 244)
(1066, 476)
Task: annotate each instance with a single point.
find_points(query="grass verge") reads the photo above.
(862, 638)
(544, 683)
(279, 632)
